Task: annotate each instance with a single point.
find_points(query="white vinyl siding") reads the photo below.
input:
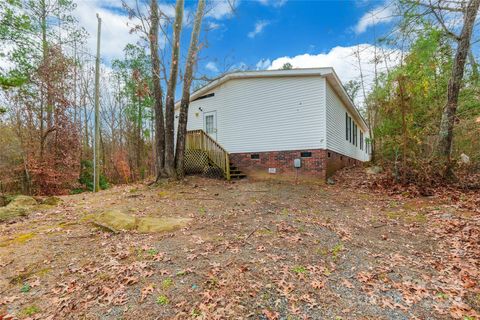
(266, 114)
(337, 128)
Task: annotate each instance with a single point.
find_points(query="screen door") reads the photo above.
(210, 123)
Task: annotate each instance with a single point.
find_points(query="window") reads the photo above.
(209, 126)
(254, 156)
(350, 129)
(355, 133)
(356, 136)
(305, 154)
(329, 155)
(346, 126)
(361, 140)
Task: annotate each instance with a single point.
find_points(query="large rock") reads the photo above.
(149, 225)
(19, 206)
(464, 158)
(374, 170)
(23, 202)
(116, 220)
(52, 201)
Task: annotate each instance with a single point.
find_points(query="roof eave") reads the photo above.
(340, 89)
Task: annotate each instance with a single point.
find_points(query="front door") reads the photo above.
(210, 123)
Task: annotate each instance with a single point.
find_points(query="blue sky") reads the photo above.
(262, 34)
(295, 28)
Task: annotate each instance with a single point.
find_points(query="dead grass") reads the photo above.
(251, 250)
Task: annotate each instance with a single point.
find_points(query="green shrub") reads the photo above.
(77, 191)
(86, 176)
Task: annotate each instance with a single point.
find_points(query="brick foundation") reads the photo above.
(318, 165)
(336, 161)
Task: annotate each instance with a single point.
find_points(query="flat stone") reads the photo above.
(117, 220)
(19, 206)
(374, 170)
(52, 201)
(153, 225)
(10, 213)
(23, 201)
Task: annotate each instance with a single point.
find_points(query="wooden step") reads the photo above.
(235, 172)
(237, 175)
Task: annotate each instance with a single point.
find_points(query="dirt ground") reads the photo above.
(254, 250)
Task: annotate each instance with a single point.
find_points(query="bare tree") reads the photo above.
(96, 163)
(187, 83)
(370, 109)
(171, 86)
(449, 111)
(157, 91)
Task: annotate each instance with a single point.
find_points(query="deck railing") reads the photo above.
(199, 140)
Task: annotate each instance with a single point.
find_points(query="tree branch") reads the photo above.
(442, 23)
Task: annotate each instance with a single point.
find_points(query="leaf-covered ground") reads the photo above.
(254, 250)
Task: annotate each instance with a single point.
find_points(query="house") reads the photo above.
(265, 120)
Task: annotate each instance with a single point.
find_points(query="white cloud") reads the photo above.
(345, 62)
(259, 26)
(222, 9)
(115, 32)
(263, 64)
(212, 66)
(169, 10)
(211, 25)
(116, 25)
(381, 14)
(273, 3)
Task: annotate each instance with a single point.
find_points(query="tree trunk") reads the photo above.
(42, 88)
(96, 162)
(403, 106)
(139, 143)
(187, 82)
(157, 92)
(172, 83)
(85, 119)
(454, 84)
(370, 112)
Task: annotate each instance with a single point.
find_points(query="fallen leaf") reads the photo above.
(271, 315)
(347, 284)
(146, 291)
(316, 284)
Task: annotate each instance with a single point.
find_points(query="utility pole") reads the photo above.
(96, 150)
